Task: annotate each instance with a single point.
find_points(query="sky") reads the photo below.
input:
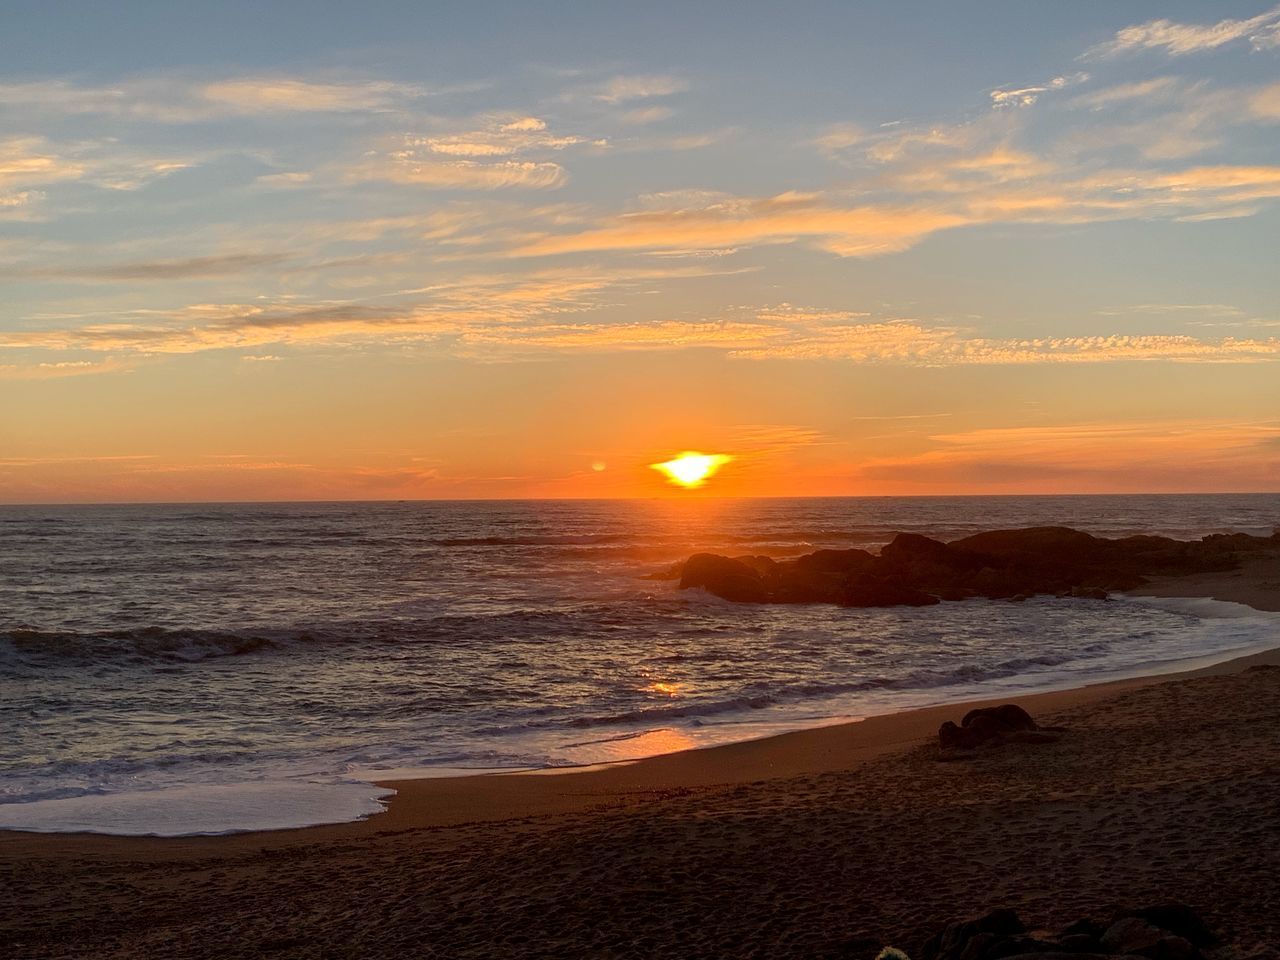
(397, 250)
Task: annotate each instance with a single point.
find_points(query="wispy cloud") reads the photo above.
(501, 151)
(286, 94)
(30, 161)
(640, 87)
(1027, 96)
(958, 188)
(179, 100)
(1265, 103)
(181, 269)
(408, 167)
(1178, 39)
(493, 317)
(1146, 456)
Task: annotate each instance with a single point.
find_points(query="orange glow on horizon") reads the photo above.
(691, 469)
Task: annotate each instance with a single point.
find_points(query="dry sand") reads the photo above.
(821, 843)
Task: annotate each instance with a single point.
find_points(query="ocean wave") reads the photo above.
(534, 541)
(150, 643)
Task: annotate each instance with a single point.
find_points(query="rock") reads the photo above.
(1008, 715)
(1136, 936)
(1179, 919)
(794, 584)
(730, 579)
(990, 725)
(912, 550)
(951, 943)
(952, 737)
(1085, 927)
(914, 570)
(764, 566)
(842, 562)
(1019, 946)
(869, 591)
(1079, 943)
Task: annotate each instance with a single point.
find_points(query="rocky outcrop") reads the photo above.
(989, 725)
(1170, 931)
(913, 570)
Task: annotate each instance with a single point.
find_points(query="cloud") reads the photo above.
(179, 100)
(28, 161)
(1178, 39)
(498, 138)
(182, 269)
(840, 136)
(405, 167)
(555, 312)
(643, 115)
(1027, 96)
(1265, 103)
(33, 160)
(954, 190)
(1143, 456)
(640, 87)
(1143, 90)
(285, 94)
(851, 231)
(503, 151)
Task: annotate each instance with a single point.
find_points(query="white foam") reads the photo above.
(200, 810)
(1206, 608)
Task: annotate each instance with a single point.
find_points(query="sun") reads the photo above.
(691, 468)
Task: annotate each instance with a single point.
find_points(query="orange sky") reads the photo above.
(885, 257)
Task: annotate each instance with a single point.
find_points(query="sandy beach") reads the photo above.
(820, 843)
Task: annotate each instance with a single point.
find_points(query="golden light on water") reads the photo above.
(691, 468)
(666, 688)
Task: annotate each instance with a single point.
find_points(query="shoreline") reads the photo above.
(432, 802)
(826, 842)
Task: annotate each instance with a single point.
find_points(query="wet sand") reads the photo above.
(820, 843)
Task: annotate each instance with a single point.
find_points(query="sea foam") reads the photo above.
(200, 810)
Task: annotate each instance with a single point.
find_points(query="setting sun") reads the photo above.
(691, 469)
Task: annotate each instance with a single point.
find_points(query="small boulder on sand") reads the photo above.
(990, 725)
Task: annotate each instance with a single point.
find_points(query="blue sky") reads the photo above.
(1054, 222)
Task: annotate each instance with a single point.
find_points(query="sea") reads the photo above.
(211, 668)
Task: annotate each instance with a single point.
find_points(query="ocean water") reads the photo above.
(176, 669)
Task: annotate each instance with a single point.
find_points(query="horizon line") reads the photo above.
(695, 497)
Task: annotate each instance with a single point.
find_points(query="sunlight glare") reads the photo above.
(691, 469)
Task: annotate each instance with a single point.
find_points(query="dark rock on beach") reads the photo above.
(987, 725)
(1163, 932)
(914, 570)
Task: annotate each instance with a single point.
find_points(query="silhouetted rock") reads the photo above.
(1161, 932)
(1136, 937)
(869, 591)
(1010, 716)
(841, 562)
(914, 570)
(730, 579)
(989, 725)
(1180, 919)
(954, 941)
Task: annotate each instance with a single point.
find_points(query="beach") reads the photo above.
(825, 842)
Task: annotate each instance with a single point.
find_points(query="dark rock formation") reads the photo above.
(913, 570)
(866, 590)
(1162, 932)
(731, 579)
(986, 725)
(1010, 716)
